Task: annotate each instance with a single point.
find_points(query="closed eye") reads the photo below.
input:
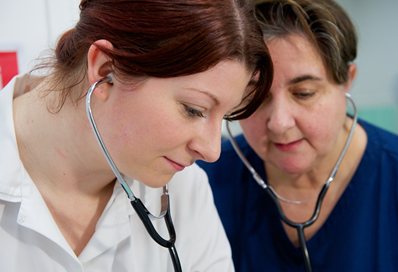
(192, 112)
(303, 95)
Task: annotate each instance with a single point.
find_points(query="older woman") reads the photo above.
(329, 196)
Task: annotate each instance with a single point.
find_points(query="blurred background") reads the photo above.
(29, 29)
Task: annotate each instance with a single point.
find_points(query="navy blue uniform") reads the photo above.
(361, 233)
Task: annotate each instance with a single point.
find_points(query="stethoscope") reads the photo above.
(299, 226)
(137, 204)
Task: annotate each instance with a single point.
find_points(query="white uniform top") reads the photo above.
(31, 241)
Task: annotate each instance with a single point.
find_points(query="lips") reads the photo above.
(286, 147)
(177, 166)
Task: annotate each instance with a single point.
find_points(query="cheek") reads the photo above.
(323, 129)
(249, 128)
(122, 130)
(142, 129)
(254, 130)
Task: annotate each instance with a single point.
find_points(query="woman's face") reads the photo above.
(161, 125)
(302, 120)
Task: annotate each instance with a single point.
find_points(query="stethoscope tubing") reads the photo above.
(100, 141)
(136, 203)
(299, 226)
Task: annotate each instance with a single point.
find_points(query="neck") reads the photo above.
(58, 149)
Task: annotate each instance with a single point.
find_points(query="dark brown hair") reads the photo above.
(323, 22)
(163, 38)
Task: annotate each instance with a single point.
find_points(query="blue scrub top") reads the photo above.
(361, 233)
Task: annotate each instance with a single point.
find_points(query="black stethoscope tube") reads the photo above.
(299, 226)
(143, 214)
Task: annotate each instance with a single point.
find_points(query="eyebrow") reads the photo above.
(304, 78)
(216, 101)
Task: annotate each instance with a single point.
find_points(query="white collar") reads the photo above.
(13, 177)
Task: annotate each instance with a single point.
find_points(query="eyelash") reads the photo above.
(304, 95)
(192, 112)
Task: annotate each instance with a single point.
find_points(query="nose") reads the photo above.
(280, 116)
(206, 143)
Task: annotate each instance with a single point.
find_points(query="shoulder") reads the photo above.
(380, 160)
(380, 141)
(12, 171)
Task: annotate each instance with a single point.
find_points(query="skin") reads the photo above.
(291, 131)
(152, 129)
(300, 130)
(178, 120)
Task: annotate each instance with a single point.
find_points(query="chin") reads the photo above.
(156, 181)
(293, 167)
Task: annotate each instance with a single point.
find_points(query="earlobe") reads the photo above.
(99, 66)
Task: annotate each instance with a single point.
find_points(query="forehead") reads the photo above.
(225, 84)
(228, 74)
(294, 54)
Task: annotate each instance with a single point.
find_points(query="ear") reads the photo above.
(352, 73)
(99, 65)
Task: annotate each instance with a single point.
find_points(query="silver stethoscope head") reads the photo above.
(299, 226)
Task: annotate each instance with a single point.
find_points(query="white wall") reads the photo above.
(377, 24)
(32, 26)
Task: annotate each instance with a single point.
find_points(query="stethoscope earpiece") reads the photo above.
(109, 78)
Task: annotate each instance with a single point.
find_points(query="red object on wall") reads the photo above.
(8, 66)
